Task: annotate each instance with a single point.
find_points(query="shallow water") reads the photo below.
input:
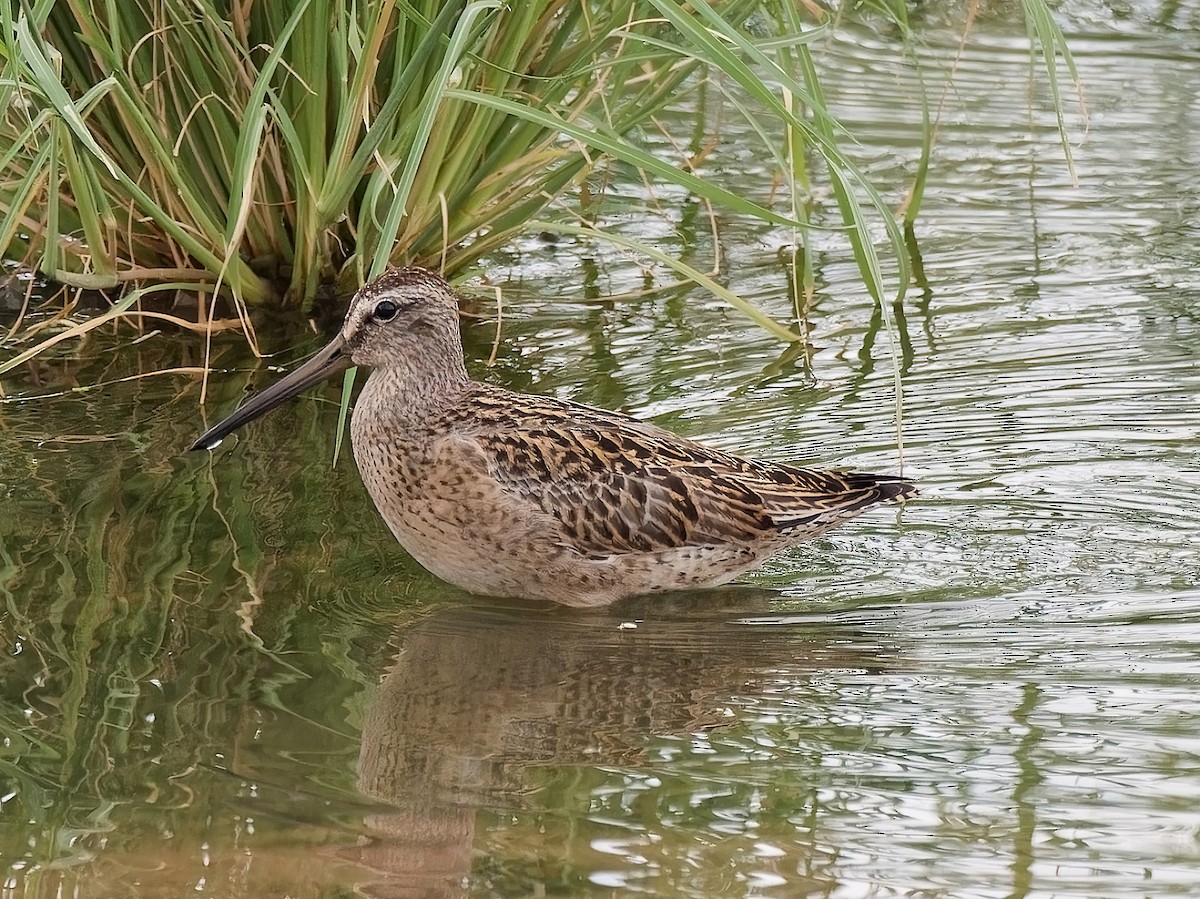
(222, 678)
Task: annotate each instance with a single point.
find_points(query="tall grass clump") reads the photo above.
(266, 148)
(274, 145)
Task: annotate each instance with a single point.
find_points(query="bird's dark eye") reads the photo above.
(385, 310)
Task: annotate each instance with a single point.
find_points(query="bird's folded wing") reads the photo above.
(615, 489)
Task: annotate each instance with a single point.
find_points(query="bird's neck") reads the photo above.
(411, 392)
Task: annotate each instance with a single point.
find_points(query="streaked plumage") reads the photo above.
(507, 494)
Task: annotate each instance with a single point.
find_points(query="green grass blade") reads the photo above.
(692, 274)
(1046, 36)
(344, 411)
(716, 42)
(48, 82)
(249, 145)
(336, 193)
(459, 41)
(625, 152)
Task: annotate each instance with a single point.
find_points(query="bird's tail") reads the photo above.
(838, 496)
(876, 488)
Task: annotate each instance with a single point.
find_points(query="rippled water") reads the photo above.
(222, 678)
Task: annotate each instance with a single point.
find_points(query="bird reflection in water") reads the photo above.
(481, 695)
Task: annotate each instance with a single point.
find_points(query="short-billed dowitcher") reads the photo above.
(506, 494)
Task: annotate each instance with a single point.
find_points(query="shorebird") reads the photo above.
(507, 494)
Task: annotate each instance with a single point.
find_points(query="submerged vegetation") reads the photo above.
(266, 150)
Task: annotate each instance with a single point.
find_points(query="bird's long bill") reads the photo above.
(329, 361)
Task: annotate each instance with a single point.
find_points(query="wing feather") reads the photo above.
(616, 485)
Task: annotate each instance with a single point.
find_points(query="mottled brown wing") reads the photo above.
(617, 486)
